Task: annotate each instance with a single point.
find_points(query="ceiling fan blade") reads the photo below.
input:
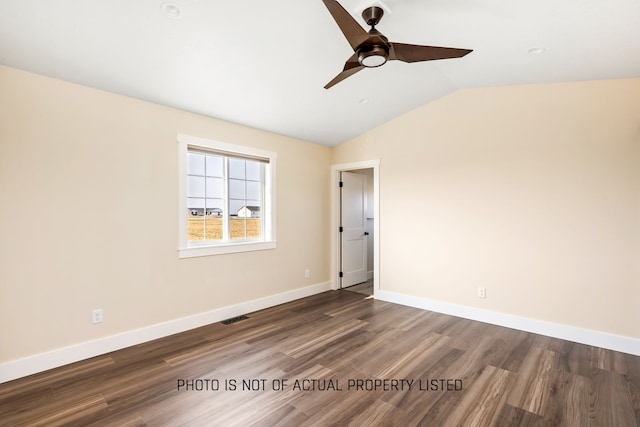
(351, 67)
(355, 34)
(416, 53)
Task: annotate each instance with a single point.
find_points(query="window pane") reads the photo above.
(253, 170)
(214, 166)
(215, 207)
(213, 228)
(248, 211)
(254, 190)
(237, 189)
(225, 197)
(238, 228)
(235, 205)
(236, 168)
(214, 187)
(195, 186)
(195, 229)
(254, 228)
(254, 206)
(195, 202)
(195, 164)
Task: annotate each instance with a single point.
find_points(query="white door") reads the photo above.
(353, 237)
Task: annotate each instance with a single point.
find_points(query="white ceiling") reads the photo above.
(264, 64)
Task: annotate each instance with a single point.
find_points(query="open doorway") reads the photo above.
(355, 221)
(354, 234)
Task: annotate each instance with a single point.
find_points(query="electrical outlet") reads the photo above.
(482, 292)
(96, 316)
(306, 273)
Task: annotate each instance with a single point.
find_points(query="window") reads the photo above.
(226, 198)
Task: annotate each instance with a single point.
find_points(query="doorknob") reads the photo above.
(366, 233)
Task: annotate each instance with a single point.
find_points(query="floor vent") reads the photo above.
(234, 320)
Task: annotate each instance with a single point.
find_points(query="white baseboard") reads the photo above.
(52, 359)
(555, 330)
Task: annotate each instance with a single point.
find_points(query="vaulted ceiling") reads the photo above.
(264, 64)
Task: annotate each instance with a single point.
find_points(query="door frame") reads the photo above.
(335, 219)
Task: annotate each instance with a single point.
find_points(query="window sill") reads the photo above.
(229, 248)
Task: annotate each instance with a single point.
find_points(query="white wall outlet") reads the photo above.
(306, 273)
(482, 292)
(96, 316)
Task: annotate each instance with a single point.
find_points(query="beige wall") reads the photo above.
(89, 217)
(532, 192)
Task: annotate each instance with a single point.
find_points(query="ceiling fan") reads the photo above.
(373, 49)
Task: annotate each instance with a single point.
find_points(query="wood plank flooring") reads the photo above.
(357, 361)
(362, 288)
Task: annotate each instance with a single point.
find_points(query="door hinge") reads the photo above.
(340, 229)
(341, 184)
(341, 274)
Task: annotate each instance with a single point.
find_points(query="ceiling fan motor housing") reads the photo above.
(372, 56)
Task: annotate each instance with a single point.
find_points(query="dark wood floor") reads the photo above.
(365, 288)
(507, 377)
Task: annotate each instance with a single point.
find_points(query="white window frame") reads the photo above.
(269, 216)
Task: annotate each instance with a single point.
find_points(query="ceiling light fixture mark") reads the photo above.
(172, 10)
(536, 50)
